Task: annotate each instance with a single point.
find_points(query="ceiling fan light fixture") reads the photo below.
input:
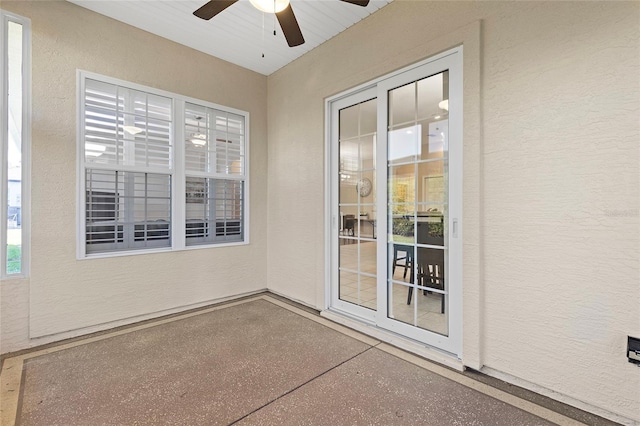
(198, 139)
(132, 130)
(270, 6)
(94, 149)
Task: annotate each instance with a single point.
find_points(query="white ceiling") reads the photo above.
(236, 34)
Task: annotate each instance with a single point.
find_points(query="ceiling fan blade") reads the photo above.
(212, 8)
(362, 3)
(290, 27)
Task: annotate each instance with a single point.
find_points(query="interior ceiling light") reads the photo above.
(133, 130)
(198, 139)
(444, 105)
(94, 149)
(270, 6)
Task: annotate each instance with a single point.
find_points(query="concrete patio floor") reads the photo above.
(256, 361)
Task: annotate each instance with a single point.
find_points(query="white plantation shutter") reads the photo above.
(215, 175)
(127, 154)
(128, 169)
(114, 114)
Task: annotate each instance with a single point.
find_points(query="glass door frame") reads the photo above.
(358, 97)
(450, 60)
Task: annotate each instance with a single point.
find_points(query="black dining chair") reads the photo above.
(406, 256)
(430, 273)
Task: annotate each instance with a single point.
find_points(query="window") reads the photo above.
(127, 158)
(214, 160)
(15, 69)
(137, 193)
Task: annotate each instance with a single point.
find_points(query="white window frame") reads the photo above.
(176, 171)
(213, 175)
(25, 197)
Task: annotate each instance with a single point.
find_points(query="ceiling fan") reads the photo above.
(281, 8)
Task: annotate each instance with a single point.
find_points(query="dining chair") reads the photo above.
(407, 256)
(430, 273)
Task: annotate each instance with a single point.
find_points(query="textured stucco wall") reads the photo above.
(67, 294)
(551, 181)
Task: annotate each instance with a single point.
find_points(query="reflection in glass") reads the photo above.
(432, 182)
(367, 152)
(402, 229)
(358, 288)
(402, 103)
(348, 289)
(417, 203)
(404, 144)
(398, 307)
(357, 197)
(368, 257)
(434, 139)
(401, 261)
(349, 122)
(431, 92)
(402, 186)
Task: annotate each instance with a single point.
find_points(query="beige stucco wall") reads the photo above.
(551, 181)
(67, 294)
(551, 176)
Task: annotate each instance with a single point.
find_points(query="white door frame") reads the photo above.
(450, 60)
(352, 99)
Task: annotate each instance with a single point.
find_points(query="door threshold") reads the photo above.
(366, 327)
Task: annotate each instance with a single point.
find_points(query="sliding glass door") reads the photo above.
(356, 245)
(396, 200)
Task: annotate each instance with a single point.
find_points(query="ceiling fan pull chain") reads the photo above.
(262, 34)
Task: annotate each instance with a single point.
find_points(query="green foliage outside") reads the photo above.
(404, 227)
(14, 259)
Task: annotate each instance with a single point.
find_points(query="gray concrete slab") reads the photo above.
(208, 369)
(376, 388)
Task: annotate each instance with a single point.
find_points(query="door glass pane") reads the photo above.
(14, 149)
(434, 138)
(431, 92)
(417, 203)
(402, 187)
(431, 184)
(399, 309)
(357, 198)
(348, 286)
(402, 105)
(403, 143)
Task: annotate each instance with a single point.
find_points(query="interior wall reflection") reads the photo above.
(357, 204)
(417, 203)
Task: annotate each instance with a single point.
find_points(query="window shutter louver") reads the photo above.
(129, 170)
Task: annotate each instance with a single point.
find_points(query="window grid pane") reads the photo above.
(127, 210)
(214, 211)
(126, 127)
(214, 141)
